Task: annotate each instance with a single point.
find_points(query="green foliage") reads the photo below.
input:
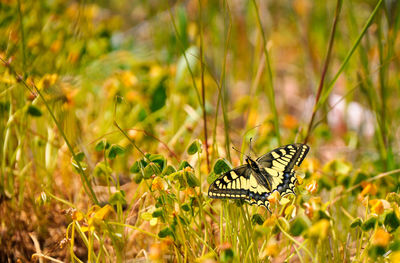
(221, 166)
(194, 147)
(114, 151)
(34, 111)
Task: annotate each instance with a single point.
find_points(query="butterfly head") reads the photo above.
(251, 163)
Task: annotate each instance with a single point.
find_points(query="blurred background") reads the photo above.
(169, 73)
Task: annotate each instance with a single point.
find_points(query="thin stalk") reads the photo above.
(223, 87)
(270, 90)
(325, 96)
(325, 68)
(203, 88)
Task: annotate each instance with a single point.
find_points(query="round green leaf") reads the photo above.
(221, 166)
(194, 147)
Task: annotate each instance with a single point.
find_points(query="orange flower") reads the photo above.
(274, 197)
(300, 179)
(381, 238)
(312, 187)
(368, 188)
(376, 206)
(309, 210)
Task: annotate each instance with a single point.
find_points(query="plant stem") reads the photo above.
(325, 68)
(203, 88)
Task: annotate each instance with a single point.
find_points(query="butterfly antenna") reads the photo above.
(239, 151)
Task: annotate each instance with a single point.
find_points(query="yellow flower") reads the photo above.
(77, 216)
(158, 184)
(381, 238)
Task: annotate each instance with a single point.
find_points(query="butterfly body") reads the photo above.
(256, 180)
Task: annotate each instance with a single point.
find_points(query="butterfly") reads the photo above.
(256, 180)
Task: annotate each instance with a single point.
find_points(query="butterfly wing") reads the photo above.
(279, 164)
(233, 184)
(240, 183)
(243, 182)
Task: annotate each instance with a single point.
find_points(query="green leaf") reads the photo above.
(169, 170)
(369, 223)
(137, 178)
(165, 232)
(80, 156)
(192, 179)
(135, 168)
(34, 111)
(257, 219)
(159, 160)
(101, 145)
(391, 221)
(212, 177)
(185, 207)
(194, 147)
(158, 213)
(150, 170)
(221, 166)
(356, 222)
(159, 97)
(118, 197)
(115, 150)
(183, 165)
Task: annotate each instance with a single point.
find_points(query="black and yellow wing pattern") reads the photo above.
(256, 180)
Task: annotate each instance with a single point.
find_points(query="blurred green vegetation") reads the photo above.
(115, 116)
